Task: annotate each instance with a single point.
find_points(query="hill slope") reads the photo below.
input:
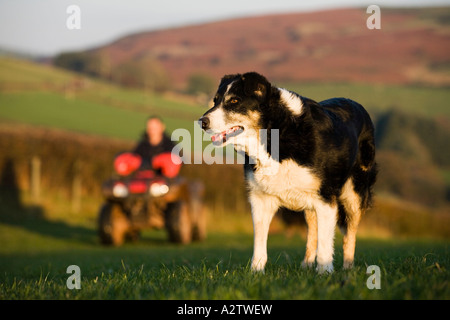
(51, 97)
(411, 47)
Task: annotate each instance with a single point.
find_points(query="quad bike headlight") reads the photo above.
(158, 189)
(120, 191)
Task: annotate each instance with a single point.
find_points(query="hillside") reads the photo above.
(328, 46)
(50, 97)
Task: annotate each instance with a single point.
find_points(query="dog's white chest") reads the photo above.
(295, 186)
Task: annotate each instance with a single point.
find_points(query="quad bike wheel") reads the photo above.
(178, 222)
(197, 211)
(114, 225)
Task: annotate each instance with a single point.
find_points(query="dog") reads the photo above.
(325, 162)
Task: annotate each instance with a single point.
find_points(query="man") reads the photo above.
(153, 143)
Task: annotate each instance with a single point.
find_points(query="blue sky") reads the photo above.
(39, 27)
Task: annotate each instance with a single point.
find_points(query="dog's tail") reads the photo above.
(366, 169)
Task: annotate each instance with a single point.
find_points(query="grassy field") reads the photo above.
(38, 244)
(49, 97)
(35, 254)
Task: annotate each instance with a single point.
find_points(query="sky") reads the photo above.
(39, 27)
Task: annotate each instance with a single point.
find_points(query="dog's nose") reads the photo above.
(204, 121)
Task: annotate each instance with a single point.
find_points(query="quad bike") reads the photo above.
(140, 199)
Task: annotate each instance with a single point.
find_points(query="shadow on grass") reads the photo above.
(32, 218)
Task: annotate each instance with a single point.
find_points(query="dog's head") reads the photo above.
(237, 108)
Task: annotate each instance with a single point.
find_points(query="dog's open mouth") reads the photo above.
(220, 138)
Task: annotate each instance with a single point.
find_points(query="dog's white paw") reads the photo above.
(324, 268)
(258, 264)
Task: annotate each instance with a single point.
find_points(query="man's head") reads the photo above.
(155, 129)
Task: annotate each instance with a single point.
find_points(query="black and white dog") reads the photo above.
(325, 163)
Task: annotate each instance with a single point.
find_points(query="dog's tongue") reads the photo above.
(218, 137)
(222, 137)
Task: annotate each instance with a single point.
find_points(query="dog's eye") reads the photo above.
(234, 101)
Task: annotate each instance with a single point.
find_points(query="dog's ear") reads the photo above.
(227, 79)
(256, 85)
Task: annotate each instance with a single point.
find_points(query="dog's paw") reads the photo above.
(307, 264)
(325, 268)
(348, 265)
(258, 265)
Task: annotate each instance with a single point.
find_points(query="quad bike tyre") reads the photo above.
(114, 225)
(178, 222)
(197, 212)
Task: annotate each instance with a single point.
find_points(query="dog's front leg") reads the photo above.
(264, 207)
(326, 224)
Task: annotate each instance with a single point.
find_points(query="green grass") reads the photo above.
(49, 109)
(45, 96)
(22, 73)
(52, 110)
(35, 254)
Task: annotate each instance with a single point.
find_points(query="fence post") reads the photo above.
(76, 187)
(35, 179)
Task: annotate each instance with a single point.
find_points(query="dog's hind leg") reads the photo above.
(311, 238)
(352, 206)
(264, 208)
(350, 241)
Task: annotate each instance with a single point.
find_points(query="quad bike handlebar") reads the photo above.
(167, 163)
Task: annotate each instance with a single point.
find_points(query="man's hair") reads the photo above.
(154, 116)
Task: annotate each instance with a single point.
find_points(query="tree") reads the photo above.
(81, 62)
(144, 73)
(200, 83)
